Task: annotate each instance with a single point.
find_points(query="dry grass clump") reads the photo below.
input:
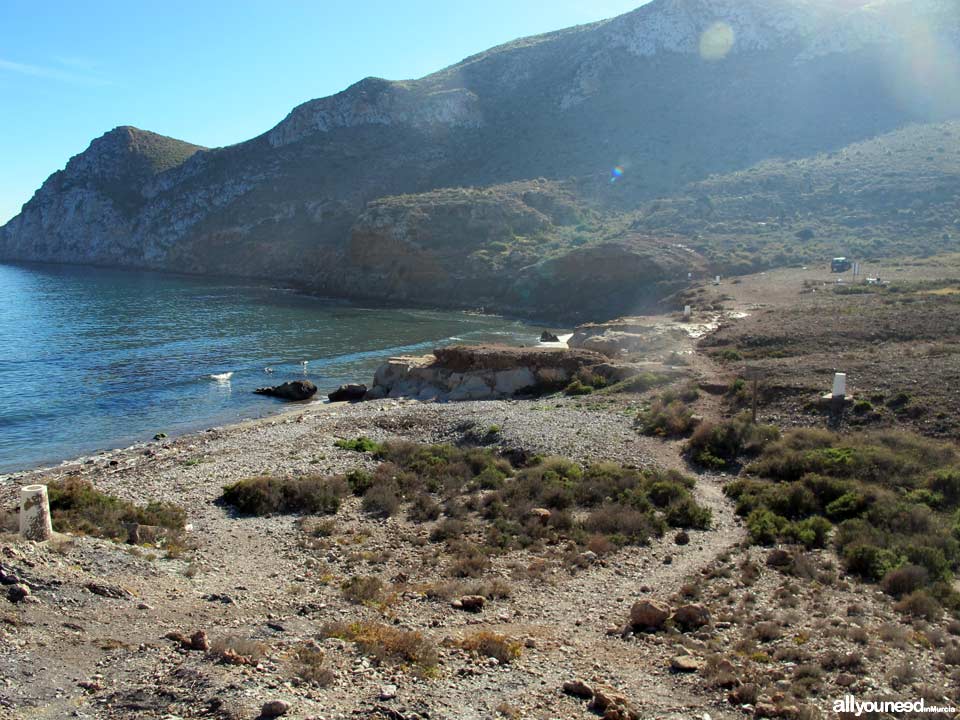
(267, 495)
(490, 588)
(369, 590)
(384, 643)
(490, 644)
(77, 507)
(309, 666)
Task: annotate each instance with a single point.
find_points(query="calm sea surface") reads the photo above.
(95, 359)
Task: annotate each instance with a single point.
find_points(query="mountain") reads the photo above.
(528, 177)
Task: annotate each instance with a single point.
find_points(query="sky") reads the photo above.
(214, 72)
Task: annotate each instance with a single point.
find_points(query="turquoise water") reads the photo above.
(94, 359)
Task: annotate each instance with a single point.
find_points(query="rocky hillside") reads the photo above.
(514, 178)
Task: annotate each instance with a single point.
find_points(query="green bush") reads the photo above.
(946, 484)
(577, 387)
(360, 444)
(888, 492)
(765, 526)
(811, 532)
(686, 513)
(266, 495)
(359, 481)
(869, 561)
(667, 419)
(718, 445)
(77, 507)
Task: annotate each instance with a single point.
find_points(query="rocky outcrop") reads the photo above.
(625, 336)
(462, 372)
(352, 392)
(294, 391)
(649, 614)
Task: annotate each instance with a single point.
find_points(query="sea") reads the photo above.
(96, 359)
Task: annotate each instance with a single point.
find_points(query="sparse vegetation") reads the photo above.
(719, 445)
(670, 415)
(266, 495)
(360, 444)
(384, 643)
(891, 497)
(77, 507)
(490, 644)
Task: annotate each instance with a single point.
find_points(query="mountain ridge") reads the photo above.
(669, 94)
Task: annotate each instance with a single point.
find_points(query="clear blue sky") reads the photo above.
(216, 73)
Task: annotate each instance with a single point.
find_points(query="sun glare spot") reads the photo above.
(616, 173)
(716, 41)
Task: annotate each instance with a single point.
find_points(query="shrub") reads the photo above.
(868, 561)
(473, 563)
(448, 529)
(886, 490)
(919, 604)
(359, 481)
(77, 507)
(422, 509)
(717, 445)
(625, 523)
(667, 419)
(360, 444)
(905, 580)
(382, 500)
(383, 642)
(363, 590)
(766, 631)
(233, 647)
(811, 532)
(946, 484)
(638, 383)
(846, 662)
(686, 513)
(489, 644)
(576, 387)
(265, 495)
(309, 666)
(764, 526)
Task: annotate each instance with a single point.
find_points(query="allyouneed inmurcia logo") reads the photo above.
(850, 705)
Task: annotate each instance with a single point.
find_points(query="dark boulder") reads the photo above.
(296, 390)
(348, 393)
(547, 336)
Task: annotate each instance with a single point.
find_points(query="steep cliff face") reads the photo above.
(425, 190)
(87, 212)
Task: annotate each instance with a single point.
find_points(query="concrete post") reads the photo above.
(35, 513)
(839, 386)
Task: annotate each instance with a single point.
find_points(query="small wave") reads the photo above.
(221, 377)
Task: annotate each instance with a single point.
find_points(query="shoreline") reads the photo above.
(140, 448)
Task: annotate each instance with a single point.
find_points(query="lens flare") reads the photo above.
(616, 173)
(716, 41)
